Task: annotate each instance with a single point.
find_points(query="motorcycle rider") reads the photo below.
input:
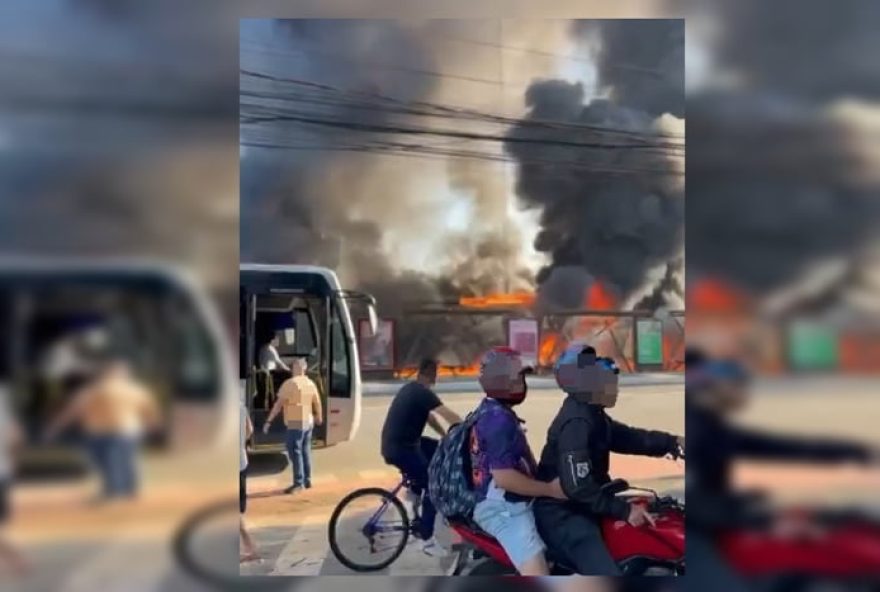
(503, 466)
(715, 390)
(579, 442)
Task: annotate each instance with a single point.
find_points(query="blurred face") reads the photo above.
(598, 385)
(116, 369)
(607, 393)
(429, 377)
(731, 396)
(518, 392)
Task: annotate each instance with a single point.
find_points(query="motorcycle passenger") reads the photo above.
(579, 442)
(503, 464)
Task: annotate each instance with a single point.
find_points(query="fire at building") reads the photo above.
(636, 339)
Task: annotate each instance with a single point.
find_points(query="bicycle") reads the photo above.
(378, 528)
(205, 547)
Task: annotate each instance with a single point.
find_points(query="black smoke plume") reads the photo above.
(321, 205)
(640, 62)
(615, 214)
(776, 169)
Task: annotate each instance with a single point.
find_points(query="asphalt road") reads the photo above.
(292, 530)
(656, 406)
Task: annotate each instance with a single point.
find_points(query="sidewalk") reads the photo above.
(375, 388)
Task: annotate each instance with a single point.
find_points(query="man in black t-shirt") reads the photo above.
(414, 406)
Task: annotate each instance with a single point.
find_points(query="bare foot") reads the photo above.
(249, 557)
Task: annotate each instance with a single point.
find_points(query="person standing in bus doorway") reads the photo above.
(403, 446)
(270, 359)
(301, 403)
(10, 439)
(115, 410)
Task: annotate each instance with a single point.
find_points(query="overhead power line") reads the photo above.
(421, 150)
(458, 111)
(447, 133)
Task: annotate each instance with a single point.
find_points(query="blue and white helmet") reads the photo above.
(579, 371)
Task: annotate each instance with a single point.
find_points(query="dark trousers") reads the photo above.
(115, 457)
(414, 464)
(574, 538)
(707, 568)
(242, 491)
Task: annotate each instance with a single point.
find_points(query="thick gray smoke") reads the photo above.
(617, 214)
(112, 134)
(640, 62)
(764, 213)
(809, 49)
(357, 212)
(776, 177)
(353, 212)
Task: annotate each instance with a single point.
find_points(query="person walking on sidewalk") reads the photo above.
(301, 404)
(245, 430)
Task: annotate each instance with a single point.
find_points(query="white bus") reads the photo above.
(55, 313)
(307, 312)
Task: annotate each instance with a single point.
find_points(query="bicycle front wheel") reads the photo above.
(206, 545)
(368, 530)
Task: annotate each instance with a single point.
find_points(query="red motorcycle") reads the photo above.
(638, 550)
(830, 545)
(833, 546)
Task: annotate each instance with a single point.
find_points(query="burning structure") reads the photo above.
(571, 214)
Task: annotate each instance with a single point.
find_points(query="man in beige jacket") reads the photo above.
(299, 399)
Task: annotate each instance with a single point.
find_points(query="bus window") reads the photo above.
(340, 372)
(197, 364)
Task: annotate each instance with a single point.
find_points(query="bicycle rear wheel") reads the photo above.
(368, 530)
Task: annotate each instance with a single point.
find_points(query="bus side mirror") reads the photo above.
(373, 319)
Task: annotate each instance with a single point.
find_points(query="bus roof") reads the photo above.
(109, 270)
(291, 276)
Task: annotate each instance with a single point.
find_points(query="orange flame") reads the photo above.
(600, 297)
(551, 344)
(442, 371)
(526, 299)
(715, 295)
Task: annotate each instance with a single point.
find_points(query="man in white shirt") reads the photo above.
(269, 358)
(10, 438)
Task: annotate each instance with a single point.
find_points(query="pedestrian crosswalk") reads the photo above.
(306, 552)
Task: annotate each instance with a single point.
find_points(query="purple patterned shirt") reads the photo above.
(498, 441)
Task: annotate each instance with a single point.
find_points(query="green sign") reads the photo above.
(812, 346)
(649, 340)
